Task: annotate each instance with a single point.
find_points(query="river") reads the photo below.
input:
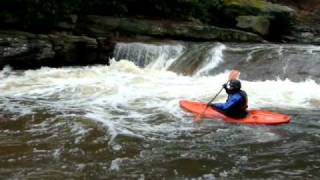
(123, 121)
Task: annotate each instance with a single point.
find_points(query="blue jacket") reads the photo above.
(235, 106)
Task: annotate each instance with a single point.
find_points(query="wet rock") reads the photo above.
(259, 16)
(258, 24)
(11, 160)
(75, 49)
(21, 49)
(68, 23)
(99, 26)
(26, 50)
(308, 35)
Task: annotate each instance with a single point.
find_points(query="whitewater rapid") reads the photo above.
(123, 83)
(126, 97)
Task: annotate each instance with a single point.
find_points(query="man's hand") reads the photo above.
(225, 85)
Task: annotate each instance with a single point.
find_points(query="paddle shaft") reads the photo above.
(234, 74)
(208, 104)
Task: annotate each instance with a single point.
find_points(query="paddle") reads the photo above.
(234, 74)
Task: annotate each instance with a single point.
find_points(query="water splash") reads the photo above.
(149, 55)
(215, 57)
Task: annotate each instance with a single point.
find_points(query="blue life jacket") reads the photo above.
(235, 106)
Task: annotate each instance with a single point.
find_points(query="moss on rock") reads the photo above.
(259, 16)
(259, 24)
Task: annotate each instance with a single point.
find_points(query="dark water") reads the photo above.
(58, 146)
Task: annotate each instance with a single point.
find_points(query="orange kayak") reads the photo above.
(261, 117)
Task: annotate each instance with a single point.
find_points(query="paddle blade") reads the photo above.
(234, 74)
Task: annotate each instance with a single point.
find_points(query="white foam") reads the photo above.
(124, 96)
(282, 94)
(116, 163)
(214, 58)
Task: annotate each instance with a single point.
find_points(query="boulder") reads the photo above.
(67, 24)
(258, 24)
(26, 50)
(259, 16)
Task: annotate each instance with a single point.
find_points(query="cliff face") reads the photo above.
(308, 11)
(306, 28)
(304, 7)
(98, 26)
(23, 50)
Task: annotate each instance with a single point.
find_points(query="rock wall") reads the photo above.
(105, 26)
(306, 28)
(23, 50)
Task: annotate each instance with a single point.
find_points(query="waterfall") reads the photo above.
(255, 61)
(149, 55)
(214, 58)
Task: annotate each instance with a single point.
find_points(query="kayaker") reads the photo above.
(237, 102)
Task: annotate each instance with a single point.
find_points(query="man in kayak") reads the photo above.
(237, 102)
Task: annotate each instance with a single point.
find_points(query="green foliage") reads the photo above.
(173, 9)
(103, 7)
(36, 15)
(255, 3)
(41, 15)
